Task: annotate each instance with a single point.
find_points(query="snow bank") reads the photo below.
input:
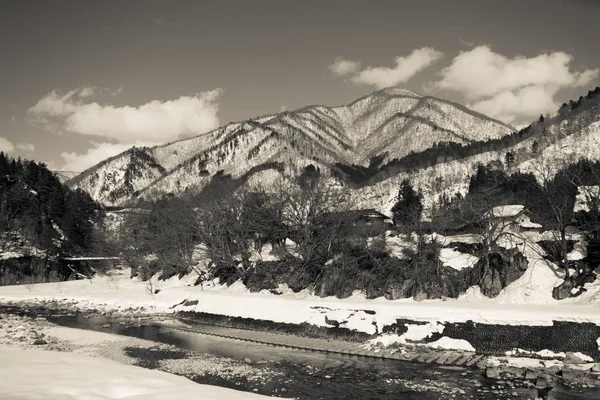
(457, 260)
(358, 321)
(420, 332)
(451, 344)
(414, 333)
(527, 301)
(386, 340)
(536, 284)
(444, 343)
(583, 196)
(39, 374)
(579, 251)
(522, 362)
(542, 353)
(583, 357)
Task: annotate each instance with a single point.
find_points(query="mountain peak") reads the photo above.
(386, 125)
(399, 91)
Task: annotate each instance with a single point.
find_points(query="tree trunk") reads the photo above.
(563, 252)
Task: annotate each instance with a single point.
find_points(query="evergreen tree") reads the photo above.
(509, 159)
(33, 203)
(409, 207)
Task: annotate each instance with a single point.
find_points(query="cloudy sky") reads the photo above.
(82, 80)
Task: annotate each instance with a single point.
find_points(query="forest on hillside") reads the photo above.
(41, 221)
(447, 151)
(319, 241)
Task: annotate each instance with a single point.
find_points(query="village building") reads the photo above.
(514, 218)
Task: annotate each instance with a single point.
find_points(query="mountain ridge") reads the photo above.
(388, 126)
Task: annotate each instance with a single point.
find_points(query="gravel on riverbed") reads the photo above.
(29, 332)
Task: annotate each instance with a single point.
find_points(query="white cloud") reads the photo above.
(117, 91)
(26, 147)
(6, 145)
(87, 91)
(406, 67)
(511, 89)
(79, 162)
(508, 106)
(343, 67)
(154, 121)
(466, 42)
(586, 77)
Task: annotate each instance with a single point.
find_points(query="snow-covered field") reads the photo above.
(48, 375)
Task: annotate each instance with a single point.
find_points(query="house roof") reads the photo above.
(505, 211)
(370, 213)
(530, 225)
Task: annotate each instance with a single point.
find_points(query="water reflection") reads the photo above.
(316, 375)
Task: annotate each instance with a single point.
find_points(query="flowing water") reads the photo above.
(315, 375)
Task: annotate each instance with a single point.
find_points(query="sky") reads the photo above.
(83, 80)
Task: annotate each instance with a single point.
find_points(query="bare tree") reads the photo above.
(559, 190)
(493, 223)
(316, 215)
(587, 209)
(233, 224)
(164, 235)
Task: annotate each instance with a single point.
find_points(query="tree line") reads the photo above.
(319, 242)
(38, 212)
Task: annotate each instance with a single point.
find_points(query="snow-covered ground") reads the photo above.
(33, 374)
(417, 333)
(97, 366)
(527, 301)
(456, 259)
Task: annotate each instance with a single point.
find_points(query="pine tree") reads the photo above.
(408, 208)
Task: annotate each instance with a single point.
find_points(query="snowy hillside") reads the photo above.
(543, 148)
(388, 124)
(64, 176)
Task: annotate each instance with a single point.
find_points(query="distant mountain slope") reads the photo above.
(64, 176)
(542, 148)
(386, 125)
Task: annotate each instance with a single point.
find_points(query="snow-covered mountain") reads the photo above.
(64, 176)
(376, 129)
(542, 148)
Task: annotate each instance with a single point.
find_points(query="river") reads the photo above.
(309, 375)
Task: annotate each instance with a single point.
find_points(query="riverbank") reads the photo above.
(445, 332)
(117, 291)
(281, 371)
(37, 333)
(506, 373)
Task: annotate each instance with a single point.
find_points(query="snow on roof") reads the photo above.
(530, 225)
(506, 211)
